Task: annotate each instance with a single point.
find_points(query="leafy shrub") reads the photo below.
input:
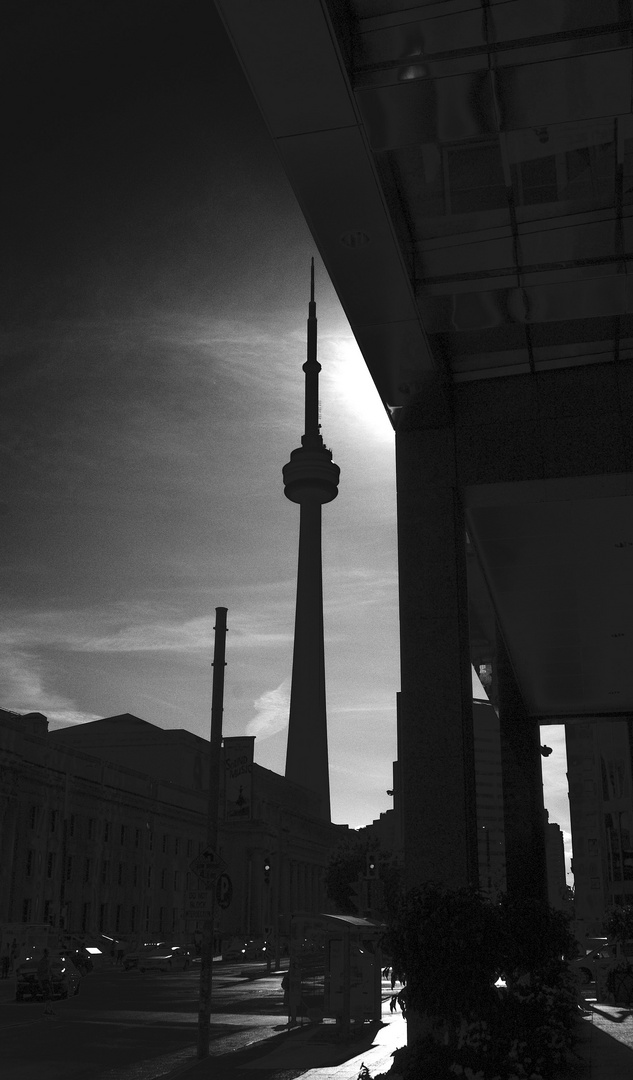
(451, 946)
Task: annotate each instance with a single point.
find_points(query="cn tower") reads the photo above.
(310, 479)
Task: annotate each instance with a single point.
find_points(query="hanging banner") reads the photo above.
(238, 777)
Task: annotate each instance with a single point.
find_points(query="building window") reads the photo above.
(120, 873)
(174, 917)
(69, 867)
(71, 825)
(85, 915)
(26, 911)
(164, 843)
(189, 846)
(147, 917)
(53, 821)
(176, 879)
(33, 817)
(137, 838)
(123, 834)
(87, 870)
(50, 863)
(163, 879)
(47, 916)
(161, 918)
(538, 181)
(91, 828)
(135, 876)
(150, 840)
(104, 871)
(133, 916)
(475, 178)
(117, 919)
(188, 881)
(106, 832)
(29, 862)
(149, 877)
(103, 915)
(176, 845)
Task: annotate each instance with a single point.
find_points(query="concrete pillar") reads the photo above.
(523, 809)
(435, 737)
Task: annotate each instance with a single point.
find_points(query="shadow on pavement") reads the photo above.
(600, 1055)
(320, 1047)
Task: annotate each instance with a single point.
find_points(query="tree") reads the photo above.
(348, 864)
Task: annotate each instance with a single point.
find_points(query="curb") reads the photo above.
(240, 1057)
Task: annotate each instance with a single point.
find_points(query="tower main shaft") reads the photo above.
(310, 479)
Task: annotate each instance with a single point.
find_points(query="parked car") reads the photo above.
(153, 956)
(82, 960)
(613, 955)
(239, 949)
(65, 979)
(586, 964)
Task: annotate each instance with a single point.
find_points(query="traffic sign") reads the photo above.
(208, 866)
(198, 904)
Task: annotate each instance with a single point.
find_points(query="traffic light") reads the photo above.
(372, 867)
(267, 870)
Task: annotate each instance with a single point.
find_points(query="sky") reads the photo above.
(155, 271)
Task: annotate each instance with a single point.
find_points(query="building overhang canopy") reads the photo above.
(466, 170)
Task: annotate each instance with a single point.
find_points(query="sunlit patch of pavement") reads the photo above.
(615, 1020)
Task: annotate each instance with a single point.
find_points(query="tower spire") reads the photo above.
(312, 367)
(310, 479)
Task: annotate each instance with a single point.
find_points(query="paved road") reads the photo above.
(128, 1026)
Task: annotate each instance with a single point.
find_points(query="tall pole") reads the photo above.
(215, 745)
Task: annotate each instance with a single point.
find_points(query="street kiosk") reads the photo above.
(335, 969)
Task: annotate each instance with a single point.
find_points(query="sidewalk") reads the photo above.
(605, 1045)
(316, 1048)
(603, 1051)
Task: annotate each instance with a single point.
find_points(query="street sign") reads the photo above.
(198, 904)
(208, 866)
(224, 891)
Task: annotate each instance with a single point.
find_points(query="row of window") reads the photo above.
(89, 867)
(117, 917)
(440, 181)
(110, 833)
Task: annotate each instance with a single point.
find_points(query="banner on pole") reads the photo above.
(238, 777)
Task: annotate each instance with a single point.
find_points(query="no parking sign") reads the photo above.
(223, 891)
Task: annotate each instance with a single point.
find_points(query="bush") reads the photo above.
(451, 946)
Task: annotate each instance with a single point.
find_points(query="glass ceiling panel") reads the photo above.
(503, 137)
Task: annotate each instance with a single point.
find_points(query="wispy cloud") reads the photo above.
(24, 689)
(272, 708)
(121, 631)
(386, 707)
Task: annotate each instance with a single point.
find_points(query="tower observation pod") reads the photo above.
(310, 479)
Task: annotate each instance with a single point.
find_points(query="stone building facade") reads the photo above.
(94, 846)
